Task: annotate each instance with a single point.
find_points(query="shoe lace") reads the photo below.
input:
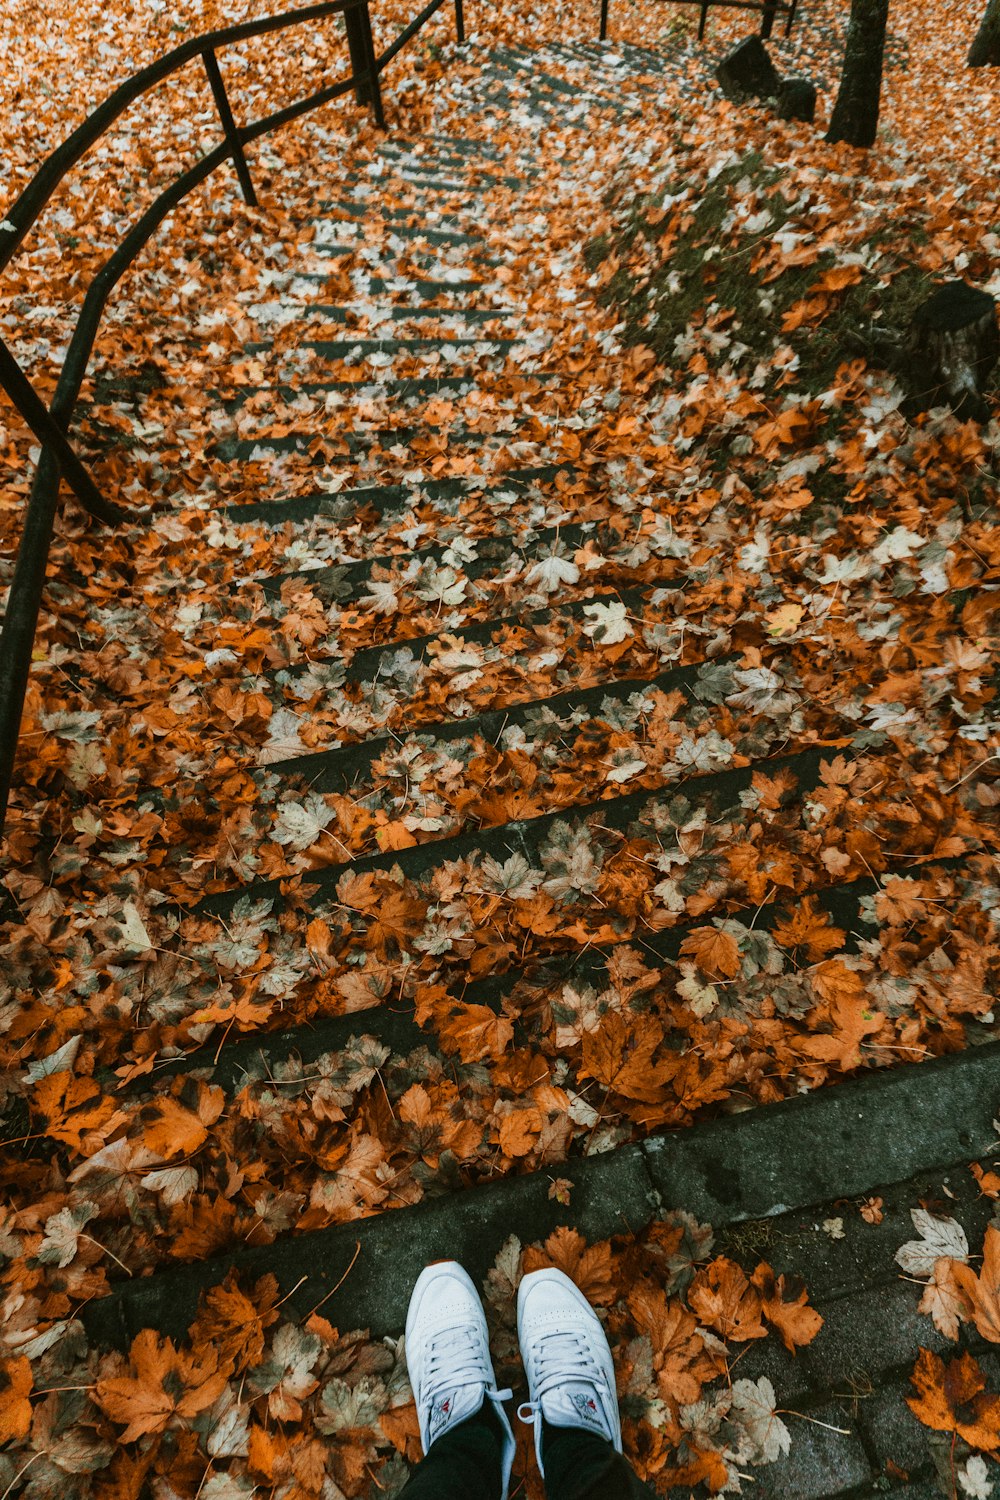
(457, 1356)
(560, 1357)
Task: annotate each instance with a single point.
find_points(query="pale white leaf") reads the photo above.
(974, 1478)
(514, 878)
(134, 937)
(942, 1299)
(898, 544)
(299, 824)
(763, 1436)
(229, 1435)
(938, 1237)
(626, 771)
(60, 1061)
(551, 572)
(173, 1184)
(62, 1233)
(381, 598)
(608, 622)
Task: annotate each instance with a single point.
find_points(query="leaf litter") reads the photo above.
(855, 610)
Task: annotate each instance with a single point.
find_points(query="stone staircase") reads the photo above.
(474, 601)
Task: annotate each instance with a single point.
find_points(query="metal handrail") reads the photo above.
(29, 206)
(769, 10)
(58, 459)
(409, 32)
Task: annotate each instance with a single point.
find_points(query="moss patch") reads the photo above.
(705, 277)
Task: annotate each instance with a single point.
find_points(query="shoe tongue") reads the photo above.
(453, 1406)
(575, 1404)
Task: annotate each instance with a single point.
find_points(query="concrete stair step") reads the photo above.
(304, 283)
(439, 177)
(428, 321)
(451, 164)
(862, 1135)
(713, 793)
(487, 555)
(381, 259)
(847, 904)
(457, 313)
(381, 497)
(404, 390)
(399, 180)
(422, 650)
(340, 349)
(462, 146)
(262, 444)
(535, 105)
(359, 226)
(348, 766)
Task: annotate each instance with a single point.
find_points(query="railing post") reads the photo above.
(230, 131)
(354, 25)
(767, 19)
(373, 90)
(604, 20)
(20, 619)
(704, 18)
(460, 20)
(51, 435)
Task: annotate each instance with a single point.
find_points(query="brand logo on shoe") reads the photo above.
(587, 1407)
(440, 1414)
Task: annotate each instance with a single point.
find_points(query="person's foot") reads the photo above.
(447, 1348)
(571, 1375)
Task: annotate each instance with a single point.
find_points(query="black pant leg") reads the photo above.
(579, 1465)
(463, 1464)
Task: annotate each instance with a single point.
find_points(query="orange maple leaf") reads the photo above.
(705, 1466)
(475, 1032)
(836, 279)
(989, 1182)
(589, 1267)
(233, 1323)
(953, 1398)
(784, 1301)
(165, 1383)
(15, 1408)
(681, 1359)
(519, 1131)
(402, 1428)
(619, 1054)
(394, 835)
(810, 929)
(715, 952)
(724, 1300)
(983, 1291)
(265, 1450)
(169, 1128)
(75, 1108)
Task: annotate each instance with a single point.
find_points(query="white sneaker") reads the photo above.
(571, 1375)
(447, 1348)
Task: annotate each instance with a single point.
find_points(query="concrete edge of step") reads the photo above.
(318, 503)
(839, 1142)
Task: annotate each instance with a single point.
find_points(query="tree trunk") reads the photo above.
(855, 115)
(985, 50)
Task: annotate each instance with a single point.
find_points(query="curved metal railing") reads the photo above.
(58, 458)
(768, 9)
